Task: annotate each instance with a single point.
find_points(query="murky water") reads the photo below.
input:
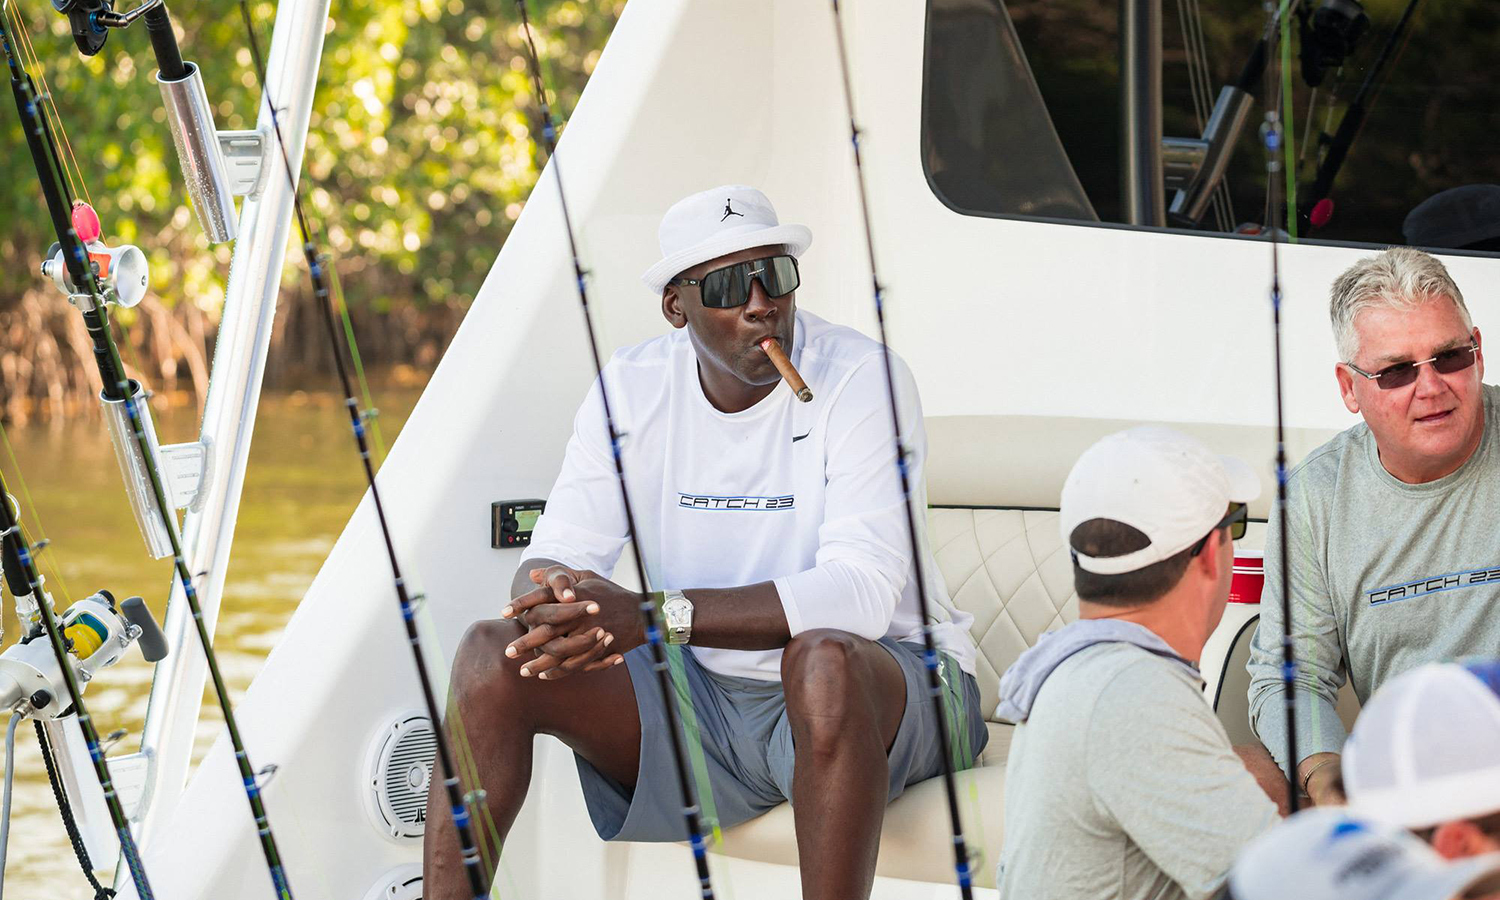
(303, 482)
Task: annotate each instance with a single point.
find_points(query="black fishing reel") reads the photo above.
(1329, 35)
(92, 19)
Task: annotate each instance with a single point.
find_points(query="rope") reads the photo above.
(66, 810)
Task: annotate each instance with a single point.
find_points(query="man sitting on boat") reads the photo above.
(1425, 756)
(1121, 783)
(1393, 560)
(777, 528)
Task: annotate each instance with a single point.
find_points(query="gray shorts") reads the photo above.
(741, 751)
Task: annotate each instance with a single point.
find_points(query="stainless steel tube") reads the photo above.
(1142, 181)
(1222, 132)
(197, 140)
(229, 411)
(133, 468)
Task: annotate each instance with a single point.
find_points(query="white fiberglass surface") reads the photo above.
(994, 316)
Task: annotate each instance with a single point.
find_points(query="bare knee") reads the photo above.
(822, 675)
(480, 668)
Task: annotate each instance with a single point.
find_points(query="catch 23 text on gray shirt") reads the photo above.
(1385, 576)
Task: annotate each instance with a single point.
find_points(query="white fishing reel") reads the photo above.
(121, 271)
(96, 634)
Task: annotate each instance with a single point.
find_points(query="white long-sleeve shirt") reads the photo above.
(804, 494)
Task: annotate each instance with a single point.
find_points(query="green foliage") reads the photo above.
(418, 155)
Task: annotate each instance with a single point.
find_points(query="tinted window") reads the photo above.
(1426, 145)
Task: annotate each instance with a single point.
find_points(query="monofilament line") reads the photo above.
(654, 636)
(929, 648)
(322, 296)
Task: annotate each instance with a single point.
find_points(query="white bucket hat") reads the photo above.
(715, 222)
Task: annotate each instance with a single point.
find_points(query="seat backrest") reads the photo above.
(994, 484)
(1008, 568)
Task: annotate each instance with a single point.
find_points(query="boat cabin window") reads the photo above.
(1391, 121)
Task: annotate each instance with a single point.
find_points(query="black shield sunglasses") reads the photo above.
(728, 287)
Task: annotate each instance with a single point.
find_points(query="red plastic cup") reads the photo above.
(1248, 576)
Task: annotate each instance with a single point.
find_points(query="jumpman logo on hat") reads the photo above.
(729, 211)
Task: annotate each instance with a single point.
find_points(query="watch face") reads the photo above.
(677, 607)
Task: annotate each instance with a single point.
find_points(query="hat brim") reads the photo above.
(796, 238)
(1244, 484)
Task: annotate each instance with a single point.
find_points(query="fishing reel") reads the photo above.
(121, 271)
(92, 19)
(96, 635)
(1329, 35)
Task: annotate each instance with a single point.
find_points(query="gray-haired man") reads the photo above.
(1393, 558)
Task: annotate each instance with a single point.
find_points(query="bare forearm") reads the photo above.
(739, 618)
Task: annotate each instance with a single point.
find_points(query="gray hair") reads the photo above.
(1398, 278)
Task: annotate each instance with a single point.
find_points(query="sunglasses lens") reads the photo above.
(729, 287)
(725, 288)
(1456, 360)
(1399, 375)
(780, 276)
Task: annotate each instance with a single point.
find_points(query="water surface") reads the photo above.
(303, 482)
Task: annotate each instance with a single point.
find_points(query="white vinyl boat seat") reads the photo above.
(994, 484)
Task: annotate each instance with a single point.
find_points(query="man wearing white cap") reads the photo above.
(773, 527)
(1333, 854)
(1425, 755)
(1121, 783)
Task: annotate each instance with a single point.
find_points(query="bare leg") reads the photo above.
(595, 714)
(845, 697)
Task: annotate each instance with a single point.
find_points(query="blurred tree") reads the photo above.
(418, 162)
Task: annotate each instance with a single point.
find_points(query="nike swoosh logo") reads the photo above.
(798, 437)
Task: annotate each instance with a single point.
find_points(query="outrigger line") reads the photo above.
(321, 292)
(117, 387)
(21, 572)
(690, 810)
(1271, 136)
(961, 863)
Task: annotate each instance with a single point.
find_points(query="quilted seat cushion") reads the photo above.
(1008, 568)
(914, 841)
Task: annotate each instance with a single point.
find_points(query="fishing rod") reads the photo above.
(654, 637)
(91, 635)
(961, 862)
(357, 418)
(1349, 126)
(82, 284)
(1270, 133)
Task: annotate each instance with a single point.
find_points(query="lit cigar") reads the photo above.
(787, 370)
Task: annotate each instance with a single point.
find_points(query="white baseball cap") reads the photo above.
(1426, 748)
(1158, 480)
(1330, 854)
(712, 223)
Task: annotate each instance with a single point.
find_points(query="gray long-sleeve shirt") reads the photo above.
(1385, 576)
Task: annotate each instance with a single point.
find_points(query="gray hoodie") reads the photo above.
(1024, 679)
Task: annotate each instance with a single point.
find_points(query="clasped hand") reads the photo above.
(575, 621)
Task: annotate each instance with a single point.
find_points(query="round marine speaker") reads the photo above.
(400, 883)
(397, 775)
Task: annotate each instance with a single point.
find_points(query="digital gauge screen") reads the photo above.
(512, 521)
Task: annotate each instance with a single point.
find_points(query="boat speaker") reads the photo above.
(400, 883)
(397, 775)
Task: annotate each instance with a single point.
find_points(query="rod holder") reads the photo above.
(133, 467)
(199, 153)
